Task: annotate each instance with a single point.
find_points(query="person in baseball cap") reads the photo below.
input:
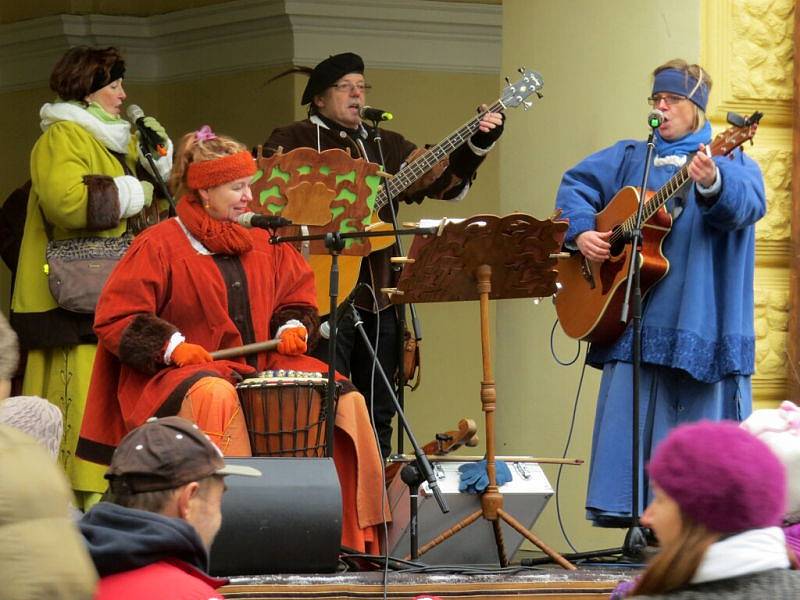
(151, 535)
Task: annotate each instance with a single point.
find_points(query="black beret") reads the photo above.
(329, 71)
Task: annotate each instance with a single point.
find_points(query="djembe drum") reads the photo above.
(285, 413)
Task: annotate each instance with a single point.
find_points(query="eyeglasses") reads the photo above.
(670, 99)
(348, 87)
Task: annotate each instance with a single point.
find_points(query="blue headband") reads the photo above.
(678, 82)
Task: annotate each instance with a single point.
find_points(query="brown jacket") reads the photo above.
(444, 181)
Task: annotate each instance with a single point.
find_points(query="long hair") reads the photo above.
(675, 565)
(191, 149)
(699, 74)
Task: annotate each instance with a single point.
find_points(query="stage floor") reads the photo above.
(588, 582)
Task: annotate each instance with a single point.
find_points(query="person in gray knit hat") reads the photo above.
(37, 417)
(9, 356)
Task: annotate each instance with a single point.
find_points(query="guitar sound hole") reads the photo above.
(618, 247)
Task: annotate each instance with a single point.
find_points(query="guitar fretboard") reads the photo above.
(425, 162)
(723, 144)
(651, 206)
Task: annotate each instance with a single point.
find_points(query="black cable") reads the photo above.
(377, 440)
(569, 434)
(564, 455)
(553, 349)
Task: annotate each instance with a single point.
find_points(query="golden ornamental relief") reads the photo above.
(761, 49)
(776, 166)
(771, 324)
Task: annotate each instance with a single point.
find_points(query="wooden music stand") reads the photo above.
(485, 258)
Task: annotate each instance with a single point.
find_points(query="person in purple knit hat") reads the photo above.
(719, 496)
(779, 428)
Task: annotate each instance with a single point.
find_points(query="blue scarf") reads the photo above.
(686, 145)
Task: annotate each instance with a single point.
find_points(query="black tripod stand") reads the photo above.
(334, 242)
(635, 542)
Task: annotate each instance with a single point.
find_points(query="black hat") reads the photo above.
(329, 71)
(167, 453)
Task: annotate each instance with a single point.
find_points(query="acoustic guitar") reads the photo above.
(591, 294)
(350, 266)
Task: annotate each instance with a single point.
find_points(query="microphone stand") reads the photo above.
(636, 537)
(335, 242)
(400, 309)
(147, 152)
(423, 464)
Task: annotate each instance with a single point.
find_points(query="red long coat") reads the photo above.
(163, 285)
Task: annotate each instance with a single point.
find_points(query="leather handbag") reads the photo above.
(77, 269)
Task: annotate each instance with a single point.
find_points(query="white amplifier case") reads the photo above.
(524, 497)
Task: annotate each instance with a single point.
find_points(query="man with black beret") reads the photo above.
(335, 94)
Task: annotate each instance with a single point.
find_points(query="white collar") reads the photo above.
(193, 241)
(114, 136)
(362, 131)
(362, 135)
(673, 159)
(753, 551)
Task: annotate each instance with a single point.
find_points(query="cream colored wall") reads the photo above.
(595, 57)
(428, 107)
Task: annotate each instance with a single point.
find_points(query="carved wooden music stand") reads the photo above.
(485, 258)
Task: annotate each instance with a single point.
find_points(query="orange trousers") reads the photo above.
(212, 403)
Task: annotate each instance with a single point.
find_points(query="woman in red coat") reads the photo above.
(199, 283)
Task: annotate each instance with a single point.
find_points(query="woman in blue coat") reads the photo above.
(698, 343)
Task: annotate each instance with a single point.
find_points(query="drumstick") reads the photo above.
(245, 350)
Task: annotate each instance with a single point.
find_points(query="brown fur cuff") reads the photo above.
(102, 209)
(143, 341)
(307, 315)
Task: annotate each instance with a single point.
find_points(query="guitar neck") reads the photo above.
(425, 162)
(667, 191)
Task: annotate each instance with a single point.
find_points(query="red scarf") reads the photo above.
(220, 237)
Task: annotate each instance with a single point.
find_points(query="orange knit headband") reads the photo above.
(209, 173)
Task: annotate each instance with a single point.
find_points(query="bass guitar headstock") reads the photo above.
(518, 92)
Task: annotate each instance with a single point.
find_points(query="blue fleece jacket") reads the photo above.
(699, 317)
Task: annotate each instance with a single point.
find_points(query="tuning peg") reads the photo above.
(508, 81)
(526, 104)
(521, 70)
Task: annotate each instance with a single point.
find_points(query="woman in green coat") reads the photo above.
(87, 179)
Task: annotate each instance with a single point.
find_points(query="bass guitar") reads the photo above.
(513, 95)
(591, 294)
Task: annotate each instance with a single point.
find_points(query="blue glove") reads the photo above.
(473, 478)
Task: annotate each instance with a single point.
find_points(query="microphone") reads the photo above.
(152, 141)
(655, 118)
(374, 114)
(251, 219)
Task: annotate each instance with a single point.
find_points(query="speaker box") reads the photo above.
(524, 497)
(289, 520)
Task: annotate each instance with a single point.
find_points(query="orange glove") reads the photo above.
(190, 354)
(293, 341)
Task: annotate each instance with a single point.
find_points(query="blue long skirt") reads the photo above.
(669, 397)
